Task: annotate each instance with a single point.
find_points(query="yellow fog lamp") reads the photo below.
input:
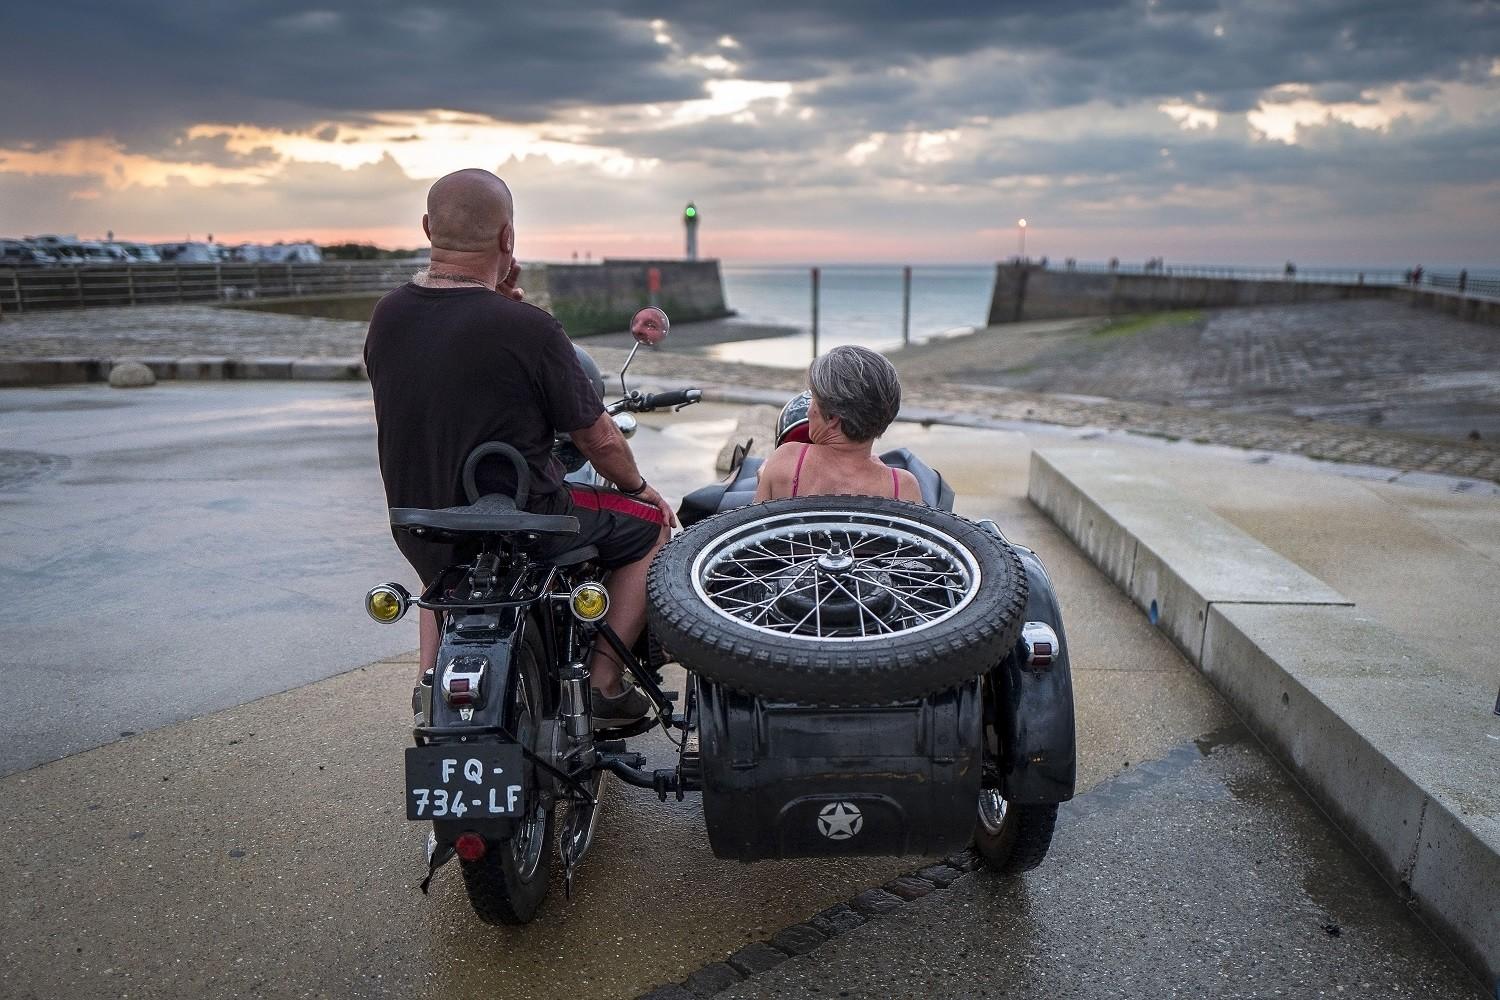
(590, 601)
(387, 603)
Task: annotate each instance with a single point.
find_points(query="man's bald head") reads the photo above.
(468, 210)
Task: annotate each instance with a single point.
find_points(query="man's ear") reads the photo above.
(426, 227)
(507, 239)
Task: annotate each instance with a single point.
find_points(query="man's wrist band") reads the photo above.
(637, 491)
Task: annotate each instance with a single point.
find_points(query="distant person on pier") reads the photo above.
(855, 396)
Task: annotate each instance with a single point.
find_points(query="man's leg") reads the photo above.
(427, 632)
(627, 616)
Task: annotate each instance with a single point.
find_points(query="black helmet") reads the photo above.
(590, 369)
(792, 424)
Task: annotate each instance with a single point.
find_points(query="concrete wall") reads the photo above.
(597, 298)
(1029, 293)
(586, 298)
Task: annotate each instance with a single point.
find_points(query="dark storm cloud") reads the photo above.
(140, 70)
(134, 69)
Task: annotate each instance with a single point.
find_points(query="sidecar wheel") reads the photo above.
(837, 600)
(1012, 838)
(508, 884)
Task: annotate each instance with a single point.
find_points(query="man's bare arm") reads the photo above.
(603, 445)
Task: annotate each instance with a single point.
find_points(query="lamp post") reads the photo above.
(1021, 225)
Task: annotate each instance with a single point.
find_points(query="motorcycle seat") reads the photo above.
(489, 515)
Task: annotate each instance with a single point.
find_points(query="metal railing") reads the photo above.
(1454, 281)
(24, 289)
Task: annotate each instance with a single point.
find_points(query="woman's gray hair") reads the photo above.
(858, 386)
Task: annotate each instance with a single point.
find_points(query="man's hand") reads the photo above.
(649, 495)
(508, 286)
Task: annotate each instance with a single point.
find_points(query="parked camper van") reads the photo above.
(16, 253)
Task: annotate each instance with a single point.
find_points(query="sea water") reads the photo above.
(858, 304)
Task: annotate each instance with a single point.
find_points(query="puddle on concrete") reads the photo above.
(20, 469)
(68, 406)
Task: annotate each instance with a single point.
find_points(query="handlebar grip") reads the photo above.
(676, 397)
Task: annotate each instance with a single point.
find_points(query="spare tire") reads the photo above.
(837, 600)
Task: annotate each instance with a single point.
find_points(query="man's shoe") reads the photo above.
(621, 710)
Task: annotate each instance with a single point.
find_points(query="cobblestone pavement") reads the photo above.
(1367, 364)
(950, 375)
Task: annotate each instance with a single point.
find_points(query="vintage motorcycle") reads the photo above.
(863, 676)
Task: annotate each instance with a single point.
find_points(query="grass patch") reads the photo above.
(1125, 326)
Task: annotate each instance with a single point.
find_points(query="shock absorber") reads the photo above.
(577, 721)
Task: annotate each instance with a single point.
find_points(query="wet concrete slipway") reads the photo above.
(202, 743)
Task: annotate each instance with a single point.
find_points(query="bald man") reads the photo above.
(457, 358)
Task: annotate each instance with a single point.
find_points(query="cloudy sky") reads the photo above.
(1326, 131)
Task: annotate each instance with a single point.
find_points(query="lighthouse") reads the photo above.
(690, 223)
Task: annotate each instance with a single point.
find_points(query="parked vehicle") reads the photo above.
(864, 676)
(15, 253)
(94, 252)
(138, 253)
(65, 249)
(188, 253)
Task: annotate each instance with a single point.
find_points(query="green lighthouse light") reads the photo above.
(691, 212)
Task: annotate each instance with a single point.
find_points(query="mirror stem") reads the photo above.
(629, 358)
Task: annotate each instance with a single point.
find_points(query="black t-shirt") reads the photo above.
(452, 368)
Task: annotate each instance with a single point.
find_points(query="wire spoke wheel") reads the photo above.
(837, 600)
(840, 579)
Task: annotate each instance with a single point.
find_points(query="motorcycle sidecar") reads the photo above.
(787, 780)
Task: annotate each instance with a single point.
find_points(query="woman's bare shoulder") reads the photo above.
(910, 488)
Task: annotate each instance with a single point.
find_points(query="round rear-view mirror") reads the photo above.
(650, 326)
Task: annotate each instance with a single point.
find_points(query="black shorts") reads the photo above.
(623, 529)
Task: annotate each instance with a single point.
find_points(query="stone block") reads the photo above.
(908, 888)
(836, 920)
(201, 369)
(1084, 518)
(757, 957)
(940, 875)
(874, 902)
(131, 375)
(1181, 556)
(327, 369)
(52, 371)
(1417, 790)
(260, 368)
(712, 978)
(798, 939)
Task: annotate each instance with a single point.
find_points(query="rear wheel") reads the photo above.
(1010, 837)
(508, 884)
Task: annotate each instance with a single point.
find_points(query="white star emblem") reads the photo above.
(840, 821)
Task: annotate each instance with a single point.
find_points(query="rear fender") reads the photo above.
(498, 645)
(1038, 749)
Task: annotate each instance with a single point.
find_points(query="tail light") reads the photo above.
(463, 681)
(1041, 645)
(469, 847)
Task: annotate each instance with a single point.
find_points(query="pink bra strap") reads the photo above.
(797, 475)
(895, 485)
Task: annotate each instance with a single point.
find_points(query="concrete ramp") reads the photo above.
(1398, 748)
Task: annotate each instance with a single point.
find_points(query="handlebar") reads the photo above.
(676, 397)
(637, 403)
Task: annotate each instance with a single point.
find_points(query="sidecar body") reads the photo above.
(784, 777)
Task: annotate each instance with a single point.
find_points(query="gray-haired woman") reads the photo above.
(855, 396)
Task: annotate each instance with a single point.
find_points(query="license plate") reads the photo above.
(464, 781)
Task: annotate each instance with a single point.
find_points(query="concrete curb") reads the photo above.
(1390, 743)
(67, 371)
